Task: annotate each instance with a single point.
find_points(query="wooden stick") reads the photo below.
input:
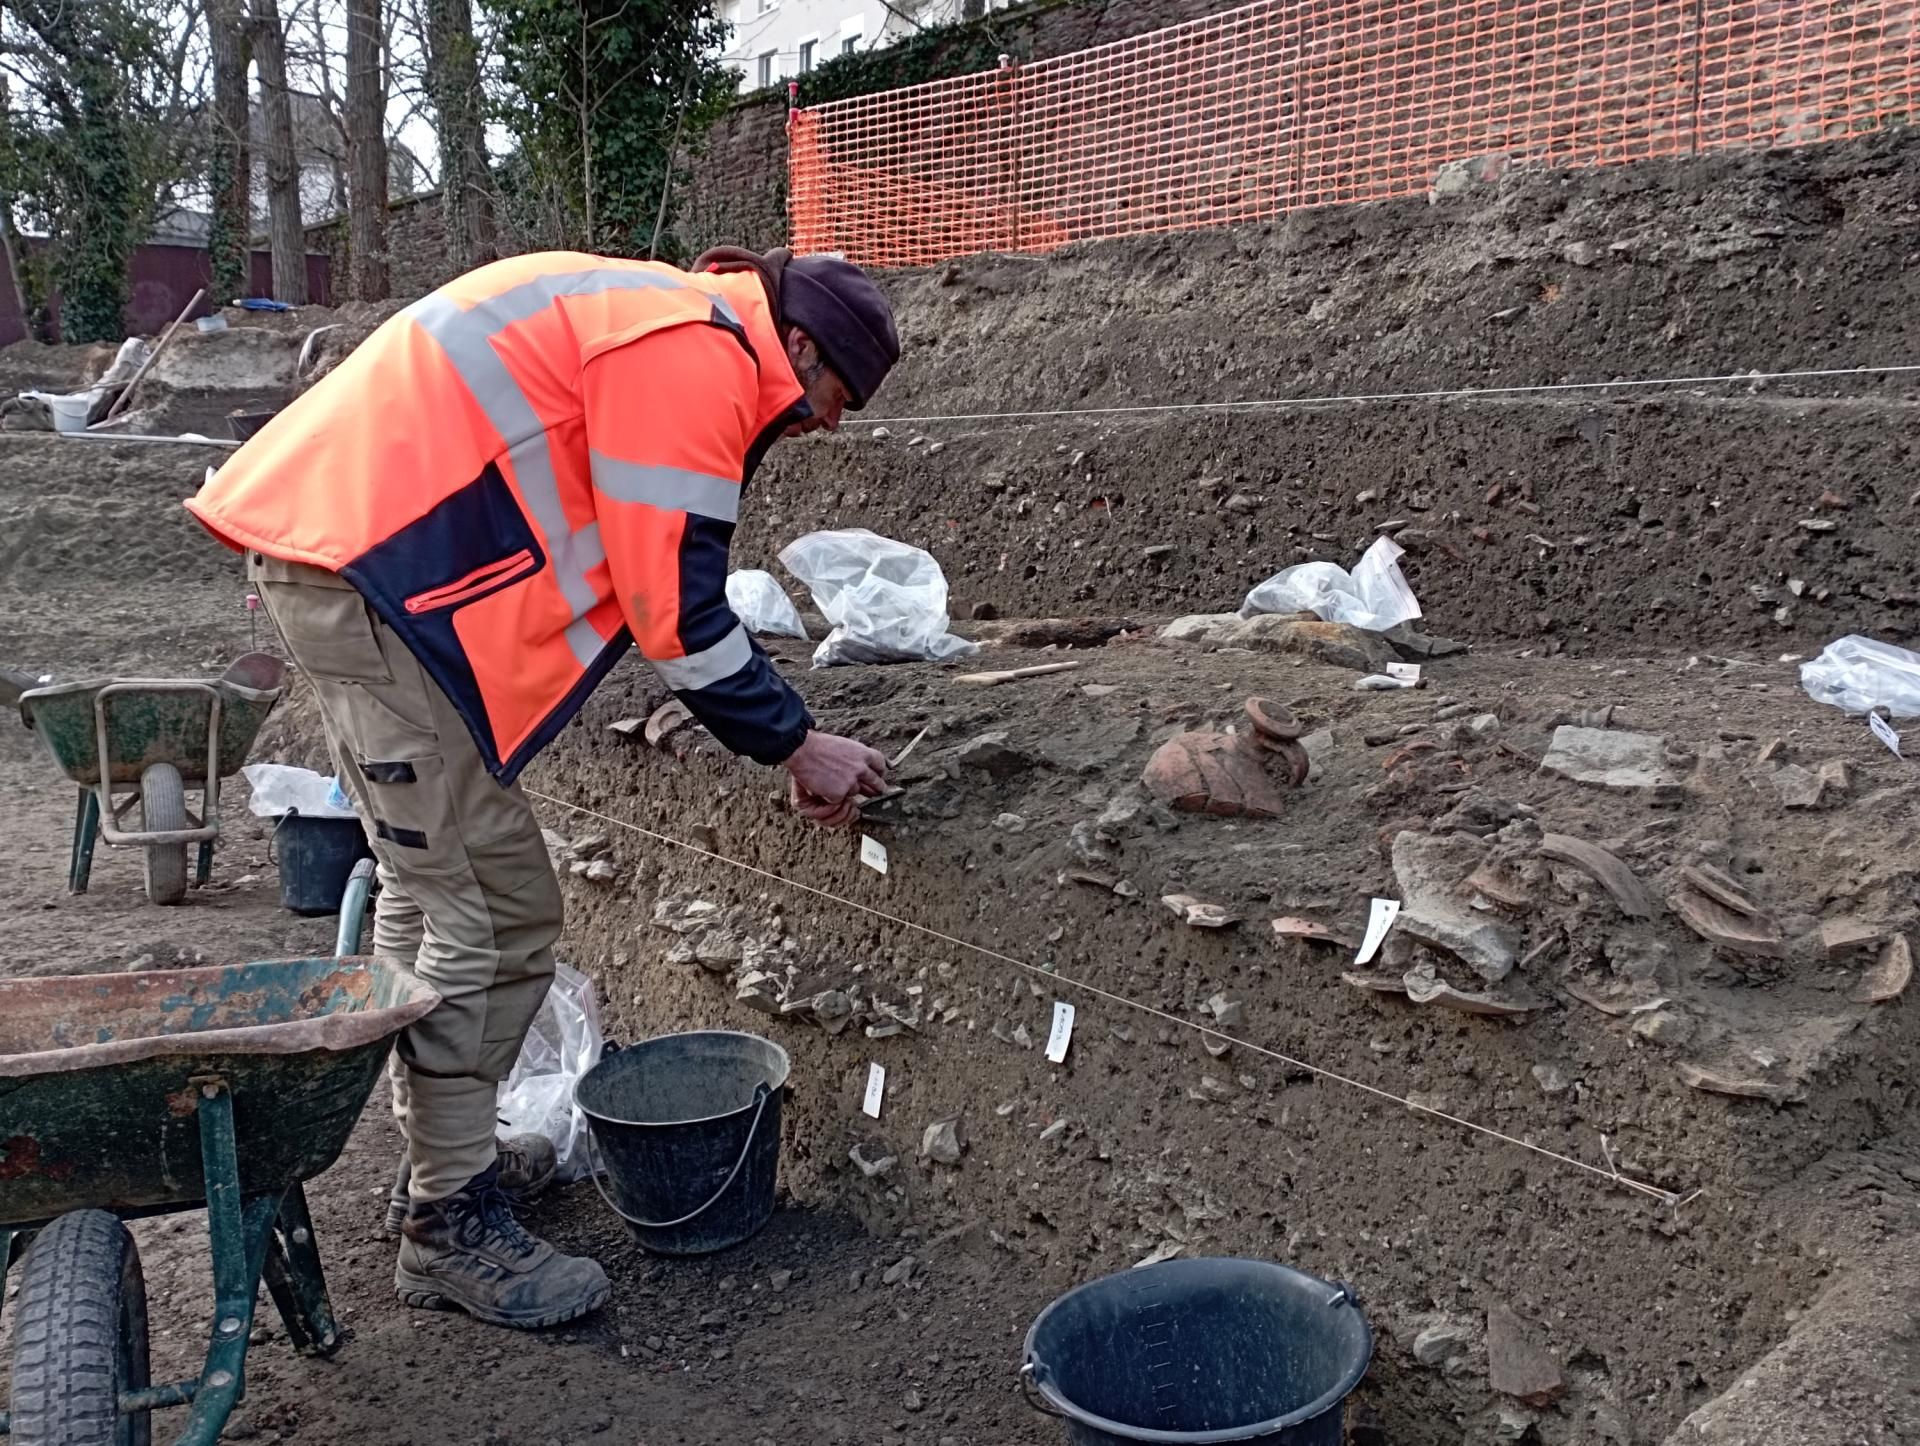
(126, 392)
(1008, 675)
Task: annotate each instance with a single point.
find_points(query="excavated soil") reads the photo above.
(1642, 555)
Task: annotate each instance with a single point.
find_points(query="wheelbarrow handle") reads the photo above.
(763, 1092)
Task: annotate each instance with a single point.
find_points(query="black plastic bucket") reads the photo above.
(244, 424)
(686, 1128)
(316, 855)
(1192, 1352)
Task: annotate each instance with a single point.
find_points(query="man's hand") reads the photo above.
(831, 774)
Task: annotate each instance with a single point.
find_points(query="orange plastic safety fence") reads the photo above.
(1277, 106)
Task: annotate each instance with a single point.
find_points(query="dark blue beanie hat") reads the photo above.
(836, 303)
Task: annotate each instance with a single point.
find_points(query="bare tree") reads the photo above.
(288, 235)
(231, 172)
(366, 152)
(466, 184)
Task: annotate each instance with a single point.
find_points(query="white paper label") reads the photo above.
(1385, 911)
(1061, 1035)
(1883, 730)
(1407, 673)
(873, 854)
(876, 1090)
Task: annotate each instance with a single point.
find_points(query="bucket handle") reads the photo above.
(762, 1092)
(1029, 1387)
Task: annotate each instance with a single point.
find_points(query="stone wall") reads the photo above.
(739, 192)
(416, 247)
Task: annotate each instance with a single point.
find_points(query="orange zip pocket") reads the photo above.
(476, 583)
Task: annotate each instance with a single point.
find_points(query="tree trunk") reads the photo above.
(366, 153)
(466, 184)
(230, 239)
(283, 166)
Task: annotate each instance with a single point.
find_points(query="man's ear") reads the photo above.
(801, 350)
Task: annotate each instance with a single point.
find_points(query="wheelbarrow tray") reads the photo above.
(102, 1078)
(149, 720)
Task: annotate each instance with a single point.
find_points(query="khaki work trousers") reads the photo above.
(468, 899)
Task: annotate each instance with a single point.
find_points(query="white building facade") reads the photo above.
(770, 41)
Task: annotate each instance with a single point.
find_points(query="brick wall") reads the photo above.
(739, 192)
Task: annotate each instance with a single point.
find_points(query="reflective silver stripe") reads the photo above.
(673, 489)
(466, 335)
(709, 665)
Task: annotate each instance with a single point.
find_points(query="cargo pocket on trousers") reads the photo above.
(329, 631)
(413, 819)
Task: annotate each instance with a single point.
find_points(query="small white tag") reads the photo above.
(876, 1089)
(1883, 730)
(1407, 673)
(1061, 1035)
(873, 853)
(1385, 911)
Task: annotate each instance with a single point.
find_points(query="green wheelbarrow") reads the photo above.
(131, 1095)
(152, 738)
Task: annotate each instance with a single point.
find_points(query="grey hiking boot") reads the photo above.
(528, 1164)
(467, 1252)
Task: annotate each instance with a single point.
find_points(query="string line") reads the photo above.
(1443, 394)
(1666, 1197)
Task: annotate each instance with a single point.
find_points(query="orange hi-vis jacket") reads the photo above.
(527, 470)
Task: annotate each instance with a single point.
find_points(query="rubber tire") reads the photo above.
(80, 1336)
(163, 805)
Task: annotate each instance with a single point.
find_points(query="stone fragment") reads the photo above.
(942, 1143)
(1664, 1026)
(759, 990)
(1438, 1344)
(900, 1272)
(1551, 1079)
(1798, 787)
(1605, 758)
(993, 755)
(1055, 1130)
(1889, 976)
(1216, 1089)
(1835, 776)
(1227, 1012)
(1431, 871)
(1516, 1366)
(1494, 883)
(871, 1167)
(1010, 823)
(1721, 1082)
(599, 871)
(685, 916)
(1840, 937)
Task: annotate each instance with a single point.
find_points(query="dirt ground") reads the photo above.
(1644, 571)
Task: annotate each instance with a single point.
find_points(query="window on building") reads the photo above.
(850, 42)
(766, 5)
(807, 48)
(766, 68)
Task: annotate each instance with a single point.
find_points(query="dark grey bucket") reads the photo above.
(686, 1128)
(1197, 1352)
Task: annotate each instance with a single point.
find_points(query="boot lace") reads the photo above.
(488, 1221)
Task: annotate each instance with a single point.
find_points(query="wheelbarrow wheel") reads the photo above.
(163, 806)
(80, 1336)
